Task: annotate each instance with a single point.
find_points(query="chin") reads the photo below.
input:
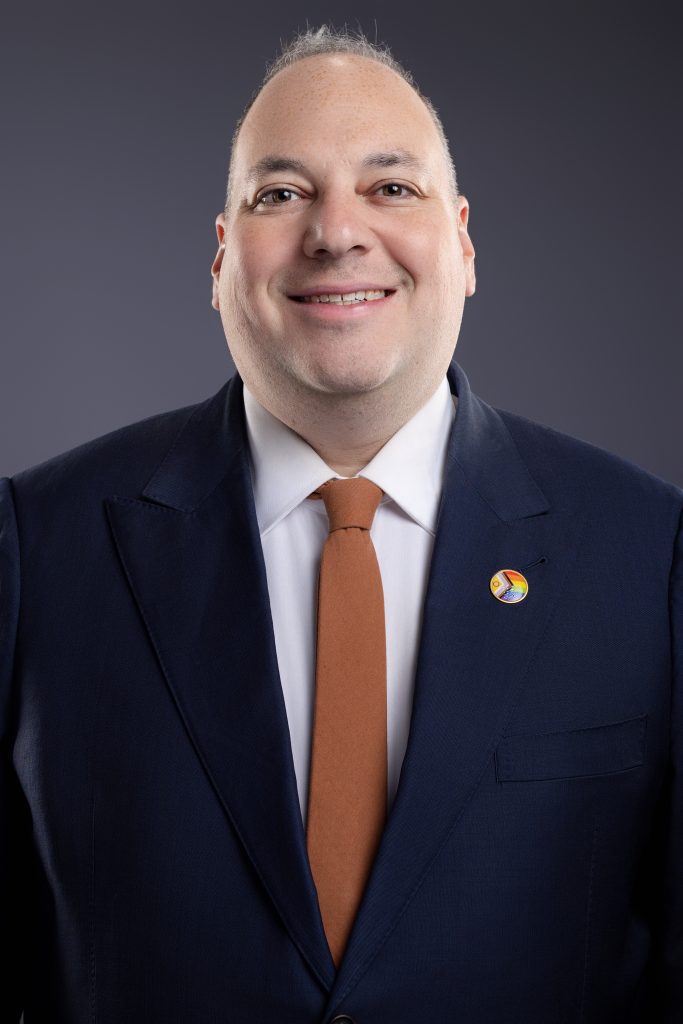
(353, 380)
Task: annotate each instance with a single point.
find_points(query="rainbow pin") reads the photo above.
(509, 586)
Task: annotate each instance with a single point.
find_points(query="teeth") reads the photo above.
(346, 299)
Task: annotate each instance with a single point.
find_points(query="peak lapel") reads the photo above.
(192, 554)
(474, 653)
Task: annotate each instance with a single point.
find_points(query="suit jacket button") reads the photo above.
(342, 1019)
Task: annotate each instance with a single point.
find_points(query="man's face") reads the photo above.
(339, 185)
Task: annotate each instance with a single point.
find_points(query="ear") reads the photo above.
(218, 259)
(467, 247)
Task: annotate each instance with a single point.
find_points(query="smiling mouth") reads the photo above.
(344, 298)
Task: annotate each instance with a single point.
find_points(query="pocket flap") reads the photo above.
(567, 755)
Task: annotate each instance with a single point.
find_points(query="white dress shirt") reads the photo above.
(285, 470)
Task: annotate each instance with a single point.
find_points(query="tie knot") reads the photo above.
(350, 502)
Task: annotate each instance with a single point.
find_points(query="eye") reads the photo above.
(395, 190)
(276, 197)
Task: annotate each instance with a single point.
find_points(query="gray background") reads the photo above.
(564, 121)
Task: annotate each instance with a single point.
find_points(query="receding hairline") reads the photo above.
(275, 162)
(326, 42)
(277, 70)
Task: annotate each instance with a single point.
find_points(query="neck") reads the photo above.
(346, 431)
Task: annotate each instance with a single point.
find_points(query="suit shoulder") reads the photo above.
(122, 459)
(572, 470)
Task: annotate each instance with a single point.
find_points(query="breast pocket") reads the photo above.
(574, 754)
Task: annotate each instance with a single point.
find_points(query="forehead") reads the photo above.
(336, 105)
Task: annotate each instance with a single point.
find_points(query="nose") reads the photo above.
(336, 226)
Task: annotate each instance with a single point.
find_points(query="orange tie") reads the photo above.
(347, 796)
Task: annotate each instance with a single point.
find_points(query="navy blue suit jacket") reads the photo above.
(153, 863)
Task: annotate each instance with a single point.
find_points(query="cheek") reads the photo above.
(430, 254)
(256, 260)
(248, 293)
(241, 281)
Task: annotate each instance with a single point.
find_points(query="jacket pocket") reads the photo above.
(577, 753)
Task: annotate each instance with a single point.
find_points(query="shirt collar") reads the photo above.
(409, 468)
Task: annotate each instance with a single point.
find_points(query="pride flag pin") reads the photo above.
(509, 586)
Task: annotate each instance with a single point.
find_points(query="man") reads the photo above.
(435, 776)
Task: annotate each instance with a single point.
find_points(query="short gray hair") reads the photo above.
(328, 39)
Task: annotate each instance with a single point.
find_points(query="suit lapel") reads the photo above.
(473, 657)
(192, 554)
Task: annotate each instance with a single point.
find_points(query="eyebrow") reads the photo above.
(392, 158)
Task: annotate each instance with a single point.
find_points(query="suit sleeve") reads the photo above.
(669, 968)
(12, 924)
